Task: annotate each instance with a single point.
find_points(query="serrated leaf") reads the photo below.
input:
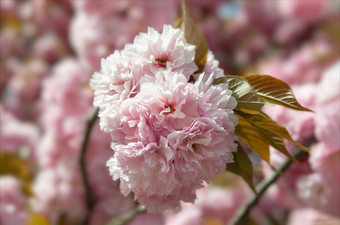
(11, 164)
(267, 123)
(277, 142)
(270, 130)
(242, 166)
(193, 36)
(274, 91)
(247, 99)
(36, 219)
(250, 136)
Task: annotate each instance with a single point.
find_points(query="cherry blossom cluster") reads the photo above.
(169, 135)
(49, 51)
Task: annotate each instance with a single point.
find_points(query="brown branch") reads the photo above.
(241, 216)
(89, 198)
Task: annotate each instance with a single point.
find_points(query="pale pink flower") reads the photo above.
(58, 191)
(189, 215)
(302, 66)
(50, 47)
(27, 79)
(99, 28)
(17, 136)
(327, 118)
(320, 189)
(222, 203)
(117, 80)
(67, 103)
(54, 187)
(167, 50)
(302, 10)
(290, 31)
(65, 92)
(12, 208)
(329, 84)
(102, 7)
(120, 74)
(171, 137)
(285, 190)
(54, 16)
(309, 216)
(8, 6)
(93, 37)
(212, 203)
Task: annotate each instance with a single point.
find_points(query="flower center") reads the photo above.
(162, 61)
(194, 147)
(172, 109)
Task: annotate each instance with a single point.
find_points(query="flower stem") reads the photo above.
(241, 216)
(89, 198)
(128, 216)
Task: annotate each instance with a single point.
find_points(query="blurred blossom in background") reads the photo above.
(50, 49)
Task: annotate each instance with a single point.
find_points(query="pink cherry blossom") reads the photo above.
(12, 208)
(320, 189)
(168, 50)
(301, 66)
(27, 79)
(18, 137)
(212, 202)
(327, 118)
(58, 191)
(302, 10)
(100, 28)
(309, 216)
(171, 137)
(120, 74)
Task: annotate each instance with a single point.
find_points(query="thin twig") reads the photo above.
(89, 198)
(128, 216)
(241, 217)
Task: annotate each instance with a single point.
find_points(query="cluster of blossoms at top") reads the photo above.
(169, 135)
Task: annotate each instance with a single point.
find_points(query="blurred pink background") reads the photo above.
(50, 49)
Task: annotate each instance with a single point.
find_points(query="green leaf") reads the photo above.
(242, 166)
(274, 91)
(247, 99)
(270, 130)
(277, 142)
(11, 164)
(193, 36)
(262, 120)
(250, 136)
